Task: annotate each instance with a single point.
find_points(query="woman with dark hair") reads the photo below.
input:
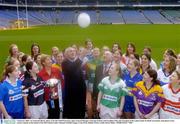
(145, 63)
(164, 73)
(171, 105)
(116, 47)
(131, 49)
(37, 59)
(35, 105)
(35, 49)
(25, 58)
(11, 99)
(148, 96)
(147, 50)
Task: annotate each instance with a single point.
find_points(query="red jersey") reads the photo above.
(55, 73)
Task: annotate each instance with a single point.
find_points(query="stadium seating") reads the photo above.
(133, 16)
(155, 17)
(51, 17)
(110, 17)
(172, 15)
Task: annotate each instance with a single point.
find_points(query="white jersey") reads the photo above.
(162, 77)
(170, 109)
(153, 65)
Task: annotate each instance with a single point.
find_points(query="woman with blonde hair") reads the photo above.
(164, 73)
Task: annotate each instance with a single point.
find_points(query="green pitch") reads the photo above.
(159, 37)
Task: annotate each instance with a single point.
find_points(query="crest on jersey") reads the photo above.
(11, 92)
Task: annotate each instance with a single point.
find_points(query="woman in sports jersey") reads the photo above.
(35, 105)
(164, 73)
(148, 96)
(170, 109)
(11, 99)
(111, 94)
(53, 101)
(131, 78)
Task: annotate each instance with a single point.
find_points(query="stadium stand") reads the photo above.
(155, 17)
(133, 16)
(52, 12)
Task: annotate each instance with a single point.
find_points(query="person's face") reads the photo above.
(166, 63)
(146, 51)
(35, 50)
(15, 73)
(17, 64)
(165, 55)
(96, 53)
(89, 45)
(34, 69)
(60, 58)
(130, 49)
(174, 78)
(48, 62)
(113, 70)
(82, 52)
(131, 66)
(144, 60)
(39, 59)
(29, 59)
(115, 47)
(20, 58)
(146, 77)
(72, 53)
(55, 51)
(15, 50)
(107, 56)
(116, 56)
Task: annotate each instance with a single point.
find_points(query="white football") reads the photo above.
(83, 20)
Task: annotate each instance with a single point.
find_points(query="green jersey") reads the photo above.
(112, 93)
(91, 68)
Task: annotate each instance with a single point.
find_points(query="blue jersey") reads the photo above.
(130, 83)
(11, 96)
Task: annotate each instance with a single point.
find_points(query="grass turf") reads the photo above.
(159, 37)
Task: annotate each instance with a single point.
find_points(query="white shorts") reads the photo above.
(155, 116)
(108, 113)
(39, 112)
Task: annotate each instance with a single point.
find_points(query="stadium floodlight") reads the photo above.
(27, 14)
(17, 5)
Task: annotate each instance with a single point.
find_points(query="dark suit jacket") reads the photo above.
(98, 77)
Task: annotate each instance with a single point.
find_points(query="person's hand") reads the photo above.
(27, 114)
(98, 108)
(141, 115)
(119, 113)
(147, 116)
(8, 117)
